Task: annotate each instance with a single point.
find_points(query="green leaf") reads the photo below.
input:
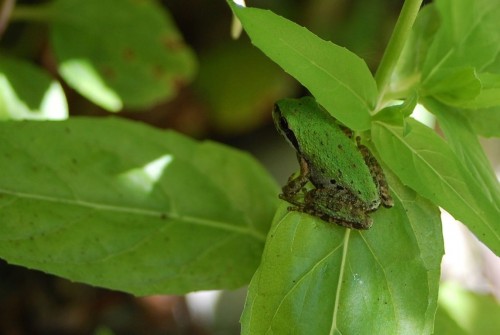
(465, 144)
(454, 86)
(121, 205)
(426, 163)
(319, 278)
(468, 37)
(490, 92)
(27, 92)
(339, 80)
(471, 313)
(106, 47)
(396, 114)
(446, 325)
(484, 121)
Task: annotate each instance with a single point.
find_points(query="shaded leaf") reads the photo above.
(238, 82)
(27, 92)
(106, 47)
(124, 206)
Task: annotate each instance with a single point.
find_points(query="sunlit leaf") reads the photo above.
(319, 278)
(121, 205)
(454, 86)
(338, 79)
(466, 146)
(490, 92)
(423, 161)
(484, 121)
(468, 37)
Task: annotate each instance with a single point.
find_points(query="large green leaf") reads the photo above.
(452, 54)
(423, 161)
(468, 38)
(338, 79)
(27, 92)
(455, 86)
(119, 53)
(319, 278)
(484, 121)
(124, 206)
(468, 35)
(465, 144)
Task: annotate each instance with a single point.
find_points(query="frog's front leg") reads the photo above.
(338, 206)
(377, 174)
(296, 184)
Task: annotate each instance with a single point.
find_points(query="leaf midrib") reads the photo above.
(444, 180)
(139, 211)
(345, 248)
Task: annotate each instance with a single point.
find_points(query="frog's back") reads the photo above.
(333, 157)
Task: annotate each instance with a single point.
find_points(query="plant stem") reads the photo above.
(395, 46)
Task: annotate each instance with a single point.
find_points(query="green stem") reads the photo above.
(395, 46)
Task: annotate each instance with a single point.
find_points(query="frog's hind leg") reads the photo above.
(337, 206)
(377, 173)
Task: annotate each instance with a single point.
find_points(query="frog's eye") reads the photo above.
(283, 123)
(289, 134)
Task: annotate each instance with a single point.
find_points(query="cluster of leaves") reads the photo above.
(320, 279)
(101, 56)
(112, 202)
(132, 208)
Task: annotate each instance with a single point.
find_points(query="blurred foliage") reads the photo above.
(466, 312)
(35, 303)
(234, 85)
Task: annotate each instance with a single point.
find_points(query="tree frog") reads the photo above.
(348, 181)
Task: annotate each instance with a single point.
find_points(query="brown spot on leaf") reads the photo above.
(108, 72)
(158, 72)
(129, 54)
(173, 43)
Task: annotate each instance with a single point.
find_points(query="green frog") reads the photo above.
(348, 182)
